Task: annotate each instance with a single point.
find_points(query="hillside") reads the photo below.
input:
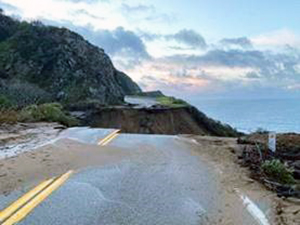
(41, 63)
(45, 64)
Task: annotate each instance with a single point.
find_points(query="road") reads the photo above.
(162, 181)
(141, 101)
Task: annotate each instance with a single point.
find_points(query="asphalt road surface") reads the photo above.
(160, 182)
(141, 101)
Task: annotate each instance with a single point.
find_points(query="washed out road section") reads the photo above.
(27, 137)
(158, 180)
(54, 159)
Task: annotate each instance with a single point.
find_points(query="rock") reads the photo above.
(125, 81)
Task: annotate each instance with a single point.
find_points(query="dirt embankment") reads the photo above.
(155, 120)
(284, 179)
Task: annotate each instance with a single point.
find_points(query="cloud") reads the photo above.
(8, 8)
(119, 40)
(98, 14)
(116, 42)
(148, 36)
(219, 57)
(85, 1)
(295, 86)
(83, 12)
(180, 59)
(219, 72)
(189, 38)
(184, 42)
(279, 38)
(252, 75)
(145, 13)
(125, 47)
(241, 42)
(137, 8)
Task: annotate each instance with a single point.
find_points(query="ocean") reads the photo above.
(279, 115)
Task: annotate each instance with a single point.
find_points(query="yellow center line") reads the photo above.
(24, 205)
(108, 137)
(25, 198)
(22, 212)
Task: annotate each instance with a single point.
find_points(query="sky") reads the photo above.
(191, 48)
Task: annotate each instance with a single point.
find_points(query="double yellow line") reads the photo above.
(24, 205)
(18, 210)
(109, 138)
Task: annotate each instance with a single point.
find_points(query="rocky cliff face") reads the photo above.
(60, 63)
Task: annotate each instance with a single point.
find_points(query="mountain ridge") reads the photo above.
(59, 63)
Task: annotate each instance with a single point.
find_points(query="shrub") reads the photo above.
(31, 113)
(50, 112)
(278, 171)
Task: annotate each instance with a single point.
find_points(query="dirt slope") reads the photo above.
(183, 120)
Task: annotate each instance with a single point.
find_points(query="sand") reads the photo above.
(52, 160)
(22, 137)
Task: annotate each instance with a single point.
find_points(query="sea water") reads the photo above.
(280, 115)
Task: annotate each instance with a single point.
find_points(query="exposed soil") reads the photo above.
(255, 152)
(157, 120)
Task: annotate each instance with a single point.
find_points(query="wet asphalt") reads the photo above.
(160, 182)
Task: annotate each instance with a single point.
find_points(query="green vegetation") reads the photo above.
(4, 102)
(278, 171)
(49, 112)
(152, 94)
(171, 101)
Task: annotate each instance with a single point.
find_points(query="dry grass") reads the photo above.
(8, 116)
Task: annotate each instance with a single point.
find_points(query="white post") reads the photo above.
(272, 141)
